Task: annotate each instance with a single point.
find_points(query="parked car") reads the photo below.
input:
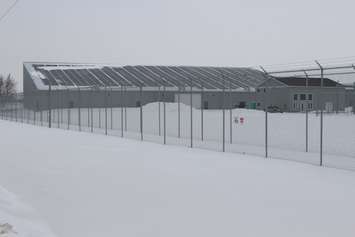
(274, 109)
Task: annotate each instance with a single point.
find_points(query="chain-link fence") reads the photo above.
(315, 137)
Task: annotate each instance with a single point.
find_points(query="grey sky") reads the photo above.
(175, 32)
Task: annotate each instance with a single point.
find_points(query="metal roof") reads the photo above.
(60, 76)
(311, 81)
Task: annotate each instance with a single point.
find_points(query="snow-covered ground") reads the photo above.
(17, 219)
(86, 184)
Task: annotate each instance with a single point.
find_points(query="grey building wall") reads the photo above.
(350, 97)
(316, 98)
(218, 99)
(93, 98)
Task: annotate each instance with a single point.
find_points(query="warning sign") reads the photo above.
(239, 120)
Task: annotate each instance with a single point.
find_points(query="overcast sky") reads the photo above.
(175, 32)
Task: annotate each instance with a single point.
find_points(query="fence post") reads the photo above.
(105, 110)
(99, 117)
(92, 110)
(321, 137)
(202, 111)
(141, 112)
(179, 114)
(88, 107)
(266, 133)
(111, 109)
(230, 113)
(79, 108)
(41, 117)
(122, 102)
(164, 108)
(125, 108)
(16, 105)
(28, 115)
(224, 119)
(62, 108)
(22, 109)
(68, 111)
(159, 115)
(191, 117)
(49, 105)
(58, 107)
(307, 129)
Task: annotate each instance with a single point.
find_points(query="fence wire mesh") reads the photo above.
(314, 137)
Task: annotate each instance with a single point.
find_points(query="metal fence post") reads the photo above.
(91, 110)
(28, 115)
(321, 137)
(68, 111)
(125, 108)
(164, 110)
(41, 116)
(58, 107)
(22, 109)
(266, 133)
(79, 109)
(69, 117)
(307, 129)
(191, 117)
(122, 102)
(49, 105)
(159, 116)
(111, 109)
(224, 120)
(179, 114)
(99, 117)
(201, 111)
(230, 113)
(88, 108)
(105, 110)
(16, 109)
(62, 108)
(141, 112)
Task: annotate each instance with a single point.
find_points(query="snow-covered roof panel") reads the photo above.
(62, 76)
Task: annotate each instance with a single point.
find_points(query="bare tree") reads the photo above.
(1, 84)
(7, 86)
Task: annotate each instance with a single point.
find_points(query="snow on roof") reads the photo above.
(65, 67)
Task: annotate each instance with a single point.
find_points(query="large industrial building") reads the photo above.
(81, 85)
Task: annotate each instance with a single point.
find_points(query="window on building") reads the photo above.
(303, 97)
(310, 97)
(264, 90)
(295, 97)
(138, 104)
(258, 90)
(258, 104)
(71, 104)
(310, 105)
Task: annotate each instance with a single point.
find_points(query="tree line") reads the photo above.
(7, 85)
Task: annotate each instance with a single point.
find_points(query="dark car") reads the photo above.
(274, 109)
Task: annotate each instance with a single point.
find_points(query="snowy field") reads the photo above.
(25, 222)
(286, 131)
(86, 184)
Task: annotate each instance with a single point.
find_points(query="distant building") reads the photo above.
(79, 85)
(300, 94)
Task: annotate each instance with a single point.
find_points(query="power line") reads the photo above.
(8, 10)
